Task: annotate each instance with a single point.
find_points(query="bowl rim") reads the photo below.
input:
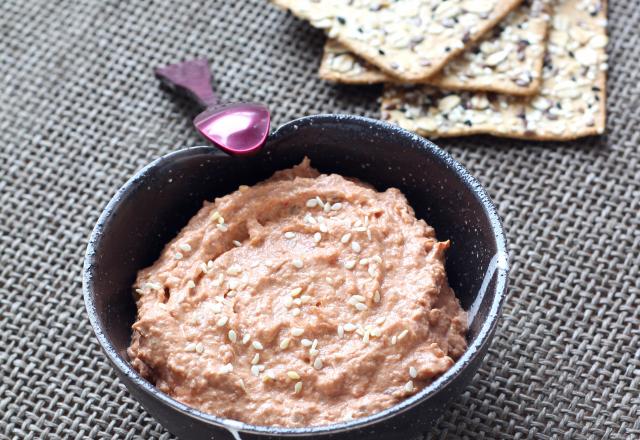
(500, 263)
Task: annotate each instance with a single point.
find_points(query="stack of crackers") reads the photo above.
(523, 69)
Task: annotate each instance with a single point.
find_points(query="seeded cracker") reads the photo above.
(508, 60)
(571, 103)
(409, 39)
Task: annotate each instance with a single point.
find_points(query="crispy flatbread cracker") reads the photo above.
(571, 102)
(408, 39)
(507, 60)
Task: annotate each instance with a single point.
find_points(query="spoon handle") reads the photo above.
(191, 78)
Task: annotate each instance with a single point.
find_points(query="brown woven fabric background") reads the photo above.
(80, 111)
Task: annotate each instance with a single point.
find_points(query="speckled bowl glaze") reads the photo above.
(157, 202)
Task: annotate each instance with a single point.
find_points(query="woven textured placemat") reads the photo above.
(80, 111)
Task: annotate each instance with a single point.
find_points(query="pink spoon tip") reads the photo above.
(237, 129)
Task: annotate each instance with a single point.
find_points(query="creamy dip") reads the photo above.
(304, 300)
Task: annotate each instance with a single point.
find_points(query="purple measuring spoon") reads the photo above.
(237, 129)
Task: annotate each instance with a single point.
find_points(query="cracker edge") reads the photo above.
(437, 80)
(507, 7)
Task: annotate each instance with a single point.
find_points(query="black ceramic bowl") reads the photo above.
(156, 203)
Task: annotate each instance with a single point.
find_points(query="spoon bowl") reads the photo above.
(237, 128)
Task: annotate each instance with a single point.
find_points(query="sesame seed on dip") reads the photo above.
(269, 320)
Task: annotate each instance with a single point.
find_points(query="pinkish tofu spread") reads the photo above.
(304, 300)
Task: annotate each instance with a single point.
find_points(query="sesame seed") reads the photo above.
(349, 327)
(222, 321)
(228, 368)
(365, 338)
(190, 347)
(359, 298)
(215, 216)
(297, 388)
(360, 331)
(268, 376)
(360, 229)
(297, 262)
(244, 388)
(336, 206)
(222, 227)
(210, 265)
(295, 311)
(413, 372)
(361, 307)
(313, 352)
(355, 246)
(288, 301)
(345, 238)
(289, 235)
(257, 345)
(255, 359)
(245, 339)
(315, 344)
(216, 308)
(376, 297)
(408, 387)
(236, 243)
(369, 234)
(327, 207)
(297, 301)
(402, 334)
(317, 364)
(309, 219)
(319, 200)
(340, 331)
(221, 220)
(364, 261)
(293, 375)
(296, 331)
(185, 247)
(349, 264)
(284, 343)
(152, 286)
(305, 299)
(295, 292)
(199, 347)
(306, 342)
(375, 332)
(394, 340)
(178, 256)
(191, 284)
(255, 370)
(317, 237)
(324, 228)
(377, 258)
(233, 337)
(372, 270)
(381, 320)
(234, 270)
(312, 203)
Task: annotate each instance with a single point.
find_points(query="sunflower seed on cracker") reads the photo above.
(408, 39)
(571, 102)
(508, 60)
